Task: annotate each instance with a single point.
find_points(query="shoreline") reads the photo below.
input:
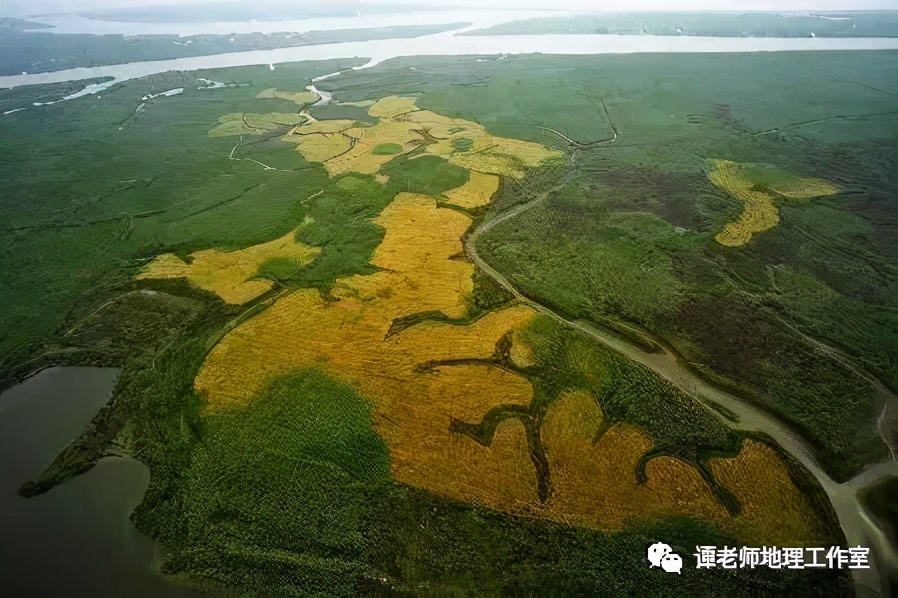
(450, 44)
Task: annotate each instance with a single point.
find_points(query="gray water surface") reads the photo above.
(77, 539)
(450, 44)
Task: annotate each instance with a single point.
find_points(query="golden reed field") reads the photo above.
(230, 274)
(346, 336)
(759, 189)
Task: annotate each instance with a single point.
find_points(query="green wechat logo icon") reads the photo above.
(662, 555)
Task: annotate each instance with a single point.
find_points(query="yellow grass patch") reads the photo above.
(229, 274)
(312, 126)
(253, 124)
(759, 187)
(300, 97)
(391, 107)
(360, 104)
(402, 123)
(774, 511)
(478, 191)
(323, 146)
(426, 454)
(595, 486)
(361, 158)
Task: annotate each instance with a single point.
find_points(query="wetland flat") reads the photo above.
(472, 325)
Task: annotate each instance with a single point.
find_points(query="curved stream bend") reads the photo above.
(858, 528)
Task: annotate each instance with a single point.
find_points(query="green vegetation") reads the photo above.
(386, 149)
(429, 175)
(879, 500)
(280, 269)
(139, 184)
(487, 294)
(339, 221)
(275, 492)
(462, 144)
(434, 548)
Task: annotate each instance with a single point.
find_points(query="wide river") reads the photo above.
(448, 43)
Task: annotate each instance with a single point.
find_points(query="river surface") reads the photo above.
(71, 23)
(77, 539)
(450, 44)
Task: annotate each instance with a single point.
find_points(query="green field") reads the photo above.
(292, 493)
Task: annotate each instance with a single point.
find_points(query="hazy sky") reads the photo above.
(24, 7)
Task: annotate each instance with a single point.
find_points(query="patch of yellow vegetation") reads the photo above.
(774, 511)
(414, 406)
(299, 97)
(426, 454)
(323, 146)
(594, 483)
(595, 486)
(478, 191)
(359, 104)
(229, 274)
(498, 155)
(253, 124)
(391, 107)
(312, 126)
(419, 241)
(361, 158)
(403, 123)
(759, 186)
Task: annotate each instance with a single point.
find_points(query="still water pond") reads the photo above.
(75, 540)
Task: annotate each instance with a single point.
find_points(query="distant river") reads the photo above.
(75, 540)
(448, 43)
(70, 23)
